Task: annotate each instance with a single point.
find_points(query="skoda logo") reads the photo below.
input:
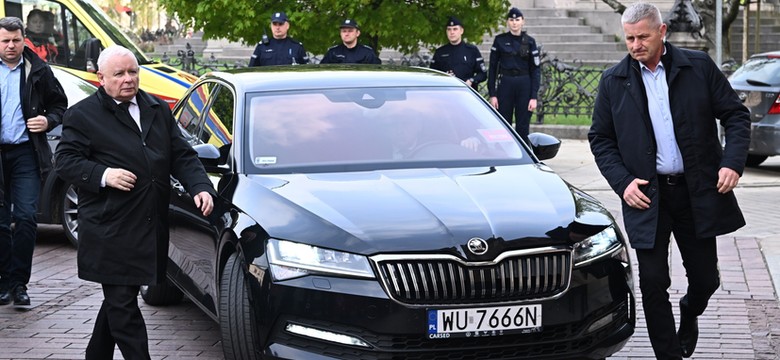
(477, 246)
(742, 96)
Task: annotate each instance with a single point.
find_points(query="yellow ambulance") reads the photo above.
(69, 34)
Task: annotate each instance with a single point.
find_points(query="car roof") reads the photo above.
(297, 77)
(775, 54)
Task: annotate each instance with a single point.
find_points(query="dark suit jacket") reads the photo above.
(622, 141)
(123, 236)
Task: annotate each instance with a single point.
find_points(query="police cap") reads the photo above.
(514, 13)
(279, 17)
(349, 23)
(453, 21)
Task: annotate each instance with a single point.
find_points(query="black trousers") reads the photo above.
(119, 322)
(513, 94)
(700, 259)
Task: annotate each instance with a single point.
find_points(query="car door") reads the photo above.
(193, 237)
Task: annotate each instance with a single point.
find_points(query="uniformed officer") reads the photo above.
(514, 67)
(350, 51)
(459, 58)
(280, 49)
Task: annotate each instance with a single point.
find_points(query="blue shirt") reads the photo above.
(668, 159)
(13, 127)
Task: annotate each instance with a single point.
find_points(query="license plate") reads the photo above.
(486, 321)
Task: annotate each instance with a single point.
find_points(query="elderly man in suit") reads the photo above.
(119, 147)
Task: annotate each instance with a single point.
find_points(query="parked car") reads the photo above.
(334, 236)
(58, 202)
(757, 83)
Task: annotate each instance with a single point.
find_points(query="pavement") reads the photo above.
(741, 322)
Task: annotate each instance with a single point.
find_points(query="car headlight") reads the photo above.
(596, 246)
(290, 260)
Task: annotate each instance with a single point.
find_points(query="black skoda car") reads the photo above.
(387, 213)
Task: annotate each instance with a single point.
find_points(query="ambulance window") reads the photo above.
(43, 30)
(77, 36)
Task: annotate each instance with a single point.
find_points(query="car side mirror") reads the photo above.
(210, 156)
(92, 49)
(544, 146)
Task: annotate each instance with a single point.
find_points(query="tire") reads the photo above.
(163, 294)
(755, 160)
(236, 318)
(69, 213)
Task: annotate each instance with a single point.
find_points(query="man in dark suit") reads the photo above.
(655, 139)
(119, 147)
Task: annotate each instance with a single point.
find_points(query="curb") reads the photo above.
(577, 132)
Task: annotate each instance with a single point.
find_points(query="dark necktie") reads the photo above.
(125, 105)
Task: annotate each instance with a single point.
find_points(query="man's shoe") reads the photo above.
(688, 335)
(5, 297)
(20, 296)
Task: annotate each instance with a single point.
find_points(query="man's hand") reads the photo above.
(120, 179)
(532, 105)
(494, 102)
(204, 202)
(634, 197)
(37, 124)
(471, 143)
(727, 180)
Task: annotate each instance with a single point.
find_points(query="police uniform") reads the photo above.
(463, 60)
(341, 54)
(278, 51)
(514, 65)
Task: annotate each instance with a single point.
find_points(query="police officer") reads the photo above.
(280, 49)
(459, 58)
(514, 66)
(350, 51)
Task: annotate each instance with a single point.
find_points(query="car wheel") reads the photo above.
(755, 160)
(161, 294)
(236, 321)
(69, 213)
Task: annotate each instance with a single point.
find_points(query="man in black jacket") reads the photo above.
(459, 58)
(120, 147)
(280, 49)
(350, 51)
(32, 104)
(655, 139)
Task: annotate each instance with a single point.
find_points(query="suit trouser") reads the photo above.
(119, 322)
(22, 190)
(513, 94)
(700, 259)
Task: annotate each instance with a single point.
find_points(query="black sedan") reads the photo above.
(757, 83)
(387, 213)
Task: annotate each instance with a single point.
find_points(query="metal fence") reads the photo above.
(566, 89)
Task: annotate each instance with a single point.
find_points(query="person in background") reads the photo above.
(38, 38)
(514, 74)
(33, 103)
(655, 139)
(459, 58)
(120, 147)
(280, 49)
(350, 51)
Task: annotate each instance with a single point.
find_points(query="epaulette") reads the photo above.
(332, 47)
(367, 47)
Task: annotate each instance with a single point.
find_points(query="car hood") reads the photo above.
(422, 210)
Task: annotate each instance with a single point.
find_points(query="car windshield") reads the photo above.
(333, 129)
(762, 69)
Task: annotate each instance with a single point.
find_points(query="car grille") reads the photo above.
(416, 280)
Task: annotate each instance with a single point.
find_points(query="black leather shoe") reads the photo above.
(5, 297)
(20, 296)
(688, 334)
